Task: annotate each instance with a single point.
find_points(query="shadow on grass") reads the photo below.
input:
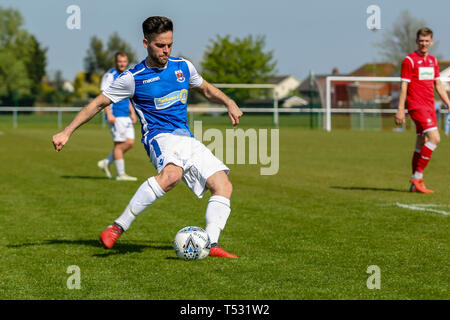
(369, 189)
(85, 177)
(119, 248)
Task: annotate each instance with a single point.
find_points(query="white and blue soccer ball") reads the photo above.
(192, 243)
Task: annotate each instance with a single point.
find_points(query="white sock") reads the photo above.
(147, 193)
(109, 159)
(217, 213)
(417, 175)
(120, 166)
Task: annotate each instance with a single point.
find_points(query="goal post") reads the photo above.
(354, 81)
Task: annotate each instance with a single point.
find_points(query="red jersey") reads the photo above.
(420, 72)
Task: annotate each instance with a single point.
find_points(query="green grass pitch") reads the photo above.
(309, 232)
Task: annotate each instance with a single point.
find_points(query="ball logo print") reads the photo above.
(190, 249)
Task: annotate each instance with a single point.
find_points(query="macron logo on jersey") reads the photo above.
(151, 80)
(171, 98)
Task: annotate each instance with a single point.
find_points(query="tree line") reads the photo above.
(25, 81)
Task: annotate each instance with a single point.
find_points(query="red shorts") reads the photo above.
(424, 118)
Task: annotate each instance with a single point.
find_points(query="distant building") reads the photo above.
(444, 67)
(314, 86)
(378, 92)
(68, 86)
(284, 85)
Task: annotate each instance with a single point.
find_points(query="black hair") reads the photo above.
(156, 25)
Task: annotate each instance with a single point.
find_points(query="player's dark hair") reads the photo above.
(424, 32)
(156, 25)
(120, 54)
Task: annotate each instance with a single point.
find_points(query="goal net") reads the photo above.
(365, 103)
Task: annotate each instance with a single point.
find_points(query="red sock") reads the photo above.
(425, 156)
(415, 158)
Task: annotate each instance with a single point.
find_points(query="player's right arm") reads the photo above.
(406, 76)
(109, 115)
(400, 115)
(89, 111)
(121, 88)
(107, 80)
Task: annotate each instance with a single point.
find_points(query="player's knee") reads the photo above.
(169, 177)
(228, 186)
(434, 138)
(224, 188)
(129, 145)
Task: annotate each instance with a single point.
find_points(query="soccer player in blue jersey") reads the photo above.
(121, 117)
(158, 88)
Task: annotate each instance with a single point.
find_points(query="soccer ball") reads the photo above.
(192, 243)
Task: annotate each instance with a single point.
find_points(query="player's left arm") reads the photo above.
(216, 95)
(440, 88)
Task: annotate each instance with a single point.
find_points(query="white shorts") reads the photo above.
(122, 129)
(196, 160)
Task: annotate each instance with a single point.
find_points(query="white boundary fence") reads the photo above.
(191, 110)
(329, 109)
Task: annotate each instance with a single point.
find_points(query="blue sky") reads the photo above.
(304, 35)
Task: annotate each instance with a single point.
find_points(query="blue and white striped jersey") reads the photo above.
(159, 95)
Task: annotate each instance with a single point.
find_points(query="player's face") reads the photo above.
(424, 43)
(159, 48)
(121, 63)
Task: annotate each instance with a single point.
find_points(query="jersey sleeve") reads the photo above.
(107, 79)
(437, 75)
(407, 69)
(121, 88)
(195, 79)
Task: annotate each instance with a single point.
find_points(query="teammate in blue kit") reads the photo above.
(158, 88)
(121, 117)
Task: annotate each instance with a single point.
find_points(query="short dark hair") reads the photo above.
(121, 54)
(424, 32)
(156, 25)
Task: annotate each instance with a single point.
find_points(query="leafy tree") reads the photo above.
(115, 44)
(238, 60)
(22, 60)
(100, 59)
(400, 40)
(96, 59)
(36, 62)
(87, 89)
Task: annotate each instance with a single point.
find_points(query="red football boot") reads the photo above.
(419, 186)
(216, 251)
(110, 235)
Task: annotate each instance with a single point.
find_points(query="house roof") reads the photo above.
(444, 64)
(381, 69)
(278, 79)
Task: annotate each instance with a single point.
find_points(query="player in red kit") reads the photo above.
(419, 76)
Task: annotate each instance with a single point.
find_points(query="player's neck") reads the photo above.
(422, 54)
